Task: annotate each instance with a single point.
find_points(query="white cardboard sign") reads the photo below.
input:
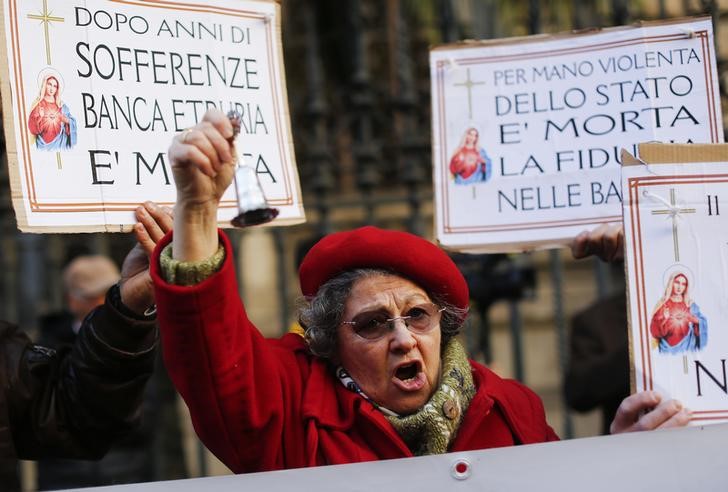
(676, 247)
(95, 90)
(527, 132)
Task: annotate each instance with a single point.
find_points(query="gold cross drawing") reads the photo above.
(673, 213)
(469, 85)
(46, 18)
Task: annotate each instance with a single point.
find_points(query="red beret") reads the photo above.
(370, 247)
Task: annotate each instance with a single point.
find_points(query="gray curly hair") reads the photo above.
(322, 315)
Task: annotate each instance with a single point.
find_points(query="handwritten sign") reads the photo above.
(94, 91)
(676, 248)
(527, 132)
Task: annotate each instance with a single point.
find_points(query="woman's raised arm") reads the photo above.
(203, 163)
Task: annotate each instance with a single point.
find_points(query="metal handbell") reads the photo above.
(253, 209)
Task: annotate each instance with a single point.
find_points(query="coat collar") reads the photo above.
(331, 405)
(512, 398)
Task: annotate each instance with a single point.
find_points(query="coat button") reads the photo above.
(450, 409)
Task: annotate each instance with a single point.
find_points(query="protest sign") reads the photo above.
(95, 90)
(527, 131)
(676, 246)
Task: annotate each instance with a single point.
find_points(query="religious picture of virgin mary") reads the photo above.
(469, 163)
(50, 122)
(677, 324)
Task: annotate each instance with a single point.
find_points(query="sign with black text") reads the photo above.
(95, 90)
(676, 247)
(527, 131)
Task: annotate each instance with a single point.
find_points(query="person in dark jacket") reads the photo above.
(598, 372)
(75, 402)
(135, 458)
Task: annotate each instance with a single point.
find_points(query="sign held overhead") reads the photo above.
(94, 92)
(527, 132)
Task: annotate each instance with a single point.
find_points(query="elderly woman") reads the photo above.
(379, 373)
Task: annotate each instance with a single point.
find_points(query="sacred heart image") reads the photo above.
(50, 123)
(677, 324)
(469, 163)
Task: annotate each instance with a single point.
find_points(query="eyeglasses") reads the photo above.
(374, 325)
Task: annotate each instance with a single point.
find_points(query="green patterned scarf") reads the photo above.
(433, 428)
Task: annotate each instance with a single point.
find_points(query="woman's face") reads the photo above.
(400, 370)
(51, 86)
(679, 285)
(471, 137)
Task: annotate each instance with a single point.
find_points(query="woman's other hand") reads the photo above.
(647, 410)
(606, 242)
(136, 285)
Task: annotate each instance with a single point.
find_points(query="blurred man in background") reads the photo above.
(85, 282)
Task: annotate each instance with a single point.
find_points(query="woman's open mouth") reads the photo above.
(409, 377)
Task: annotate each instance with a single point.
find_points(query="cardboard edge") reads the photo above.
(524, 247)
(533, 38)
(127, 228)
(630, 336)
(11, 149)
(295, 178)
(44, 229)
(671, 153)
(628, 159)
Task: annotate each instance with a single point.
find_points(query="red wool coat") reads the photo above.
(266, 404)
